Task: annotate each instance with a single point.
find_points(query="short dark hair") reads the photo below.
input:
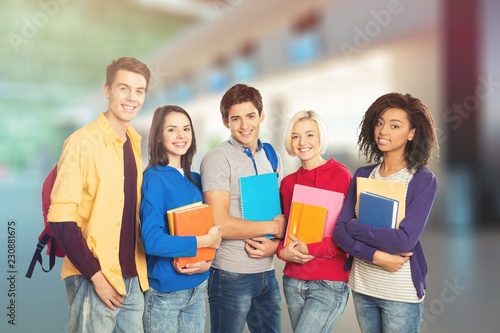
(419, 151)
(128, 64)
(237, 94)
(157, 153)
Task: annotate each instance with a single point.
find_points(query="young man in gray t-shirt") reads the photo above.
(242, 285)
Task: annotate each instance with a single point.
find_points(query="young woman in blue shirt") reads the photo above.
(176, 299)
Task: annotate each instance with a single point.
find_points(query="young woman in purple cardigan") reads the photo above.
(388, 272)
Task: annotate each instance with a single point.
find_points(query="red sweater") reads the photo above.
(329, 260)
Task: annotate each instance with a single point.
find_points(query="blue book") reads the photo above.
(259, 197)
(377, 210)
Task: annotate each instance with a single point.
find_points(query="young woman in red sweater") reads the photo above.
(314, 280)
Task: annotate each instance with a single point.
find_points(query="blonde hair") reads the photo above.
(306, 115)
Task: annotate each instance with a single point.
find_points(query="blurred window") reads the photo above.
(184, 91)
(244, 64)
(218, 79)
(305, 43)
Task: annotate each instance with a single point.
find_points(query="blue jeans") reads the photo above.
(178, 311)
(89, 314)
(316, 305)
(376, 315)
(236, 299)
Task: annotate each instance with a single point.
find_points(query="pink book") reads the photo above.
(319, 197)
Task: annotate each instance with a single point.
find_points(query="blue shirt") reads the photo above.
(164, 188)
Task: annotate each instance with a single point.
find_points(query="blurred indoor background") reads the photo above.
(335, 57)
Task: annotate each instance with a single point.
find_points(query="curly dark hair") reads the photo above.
(157, 151)
(419, 151)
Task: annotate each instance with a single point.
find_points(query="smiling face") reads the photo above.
(177, 137)
(305, 141)
(126, 96)
(244, 122)
(392, 131)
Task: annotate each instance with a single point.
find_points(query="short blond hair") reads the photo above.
(306, 115)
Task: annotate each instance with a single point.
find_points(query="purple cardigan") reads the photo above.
(361, 241)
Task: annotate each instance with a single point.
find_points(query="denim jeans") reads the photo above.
(178, 311)
(376, 315)
(316, 305)
(236, 299)
(89, 314)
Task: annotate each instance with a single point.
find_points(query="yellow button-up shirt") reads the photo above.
(89, 189)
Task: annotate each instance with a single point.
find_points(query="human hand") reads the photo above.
(296, 251)
(194, 268)
(212, 239)
(261, 247)
(216, 237)
(106, 292)
(280, 226)
(299, 245)
(391, 262)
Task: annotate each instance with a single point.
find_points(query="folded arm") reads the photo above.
(421, 193)
(236, 228)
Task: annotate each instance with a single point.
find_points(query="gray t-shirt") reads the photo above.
(221, 169)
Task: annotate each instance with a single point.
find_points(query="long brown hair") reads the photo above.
(157, 154)
(419, 151)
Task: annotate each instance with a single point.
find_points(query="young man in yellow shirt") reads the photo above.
(94, 212)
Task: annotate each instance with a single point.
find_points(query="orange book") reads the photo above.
(306, 222)
(170, 213)
(192, 220)
(320, 197)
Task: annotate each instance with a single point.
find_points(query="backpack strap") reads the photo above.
(37, 256)
(271, 155)
(46, 238)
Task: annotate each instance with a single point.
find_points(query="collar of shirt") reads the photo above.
(244, 149)
(247, 150)
(110, 135)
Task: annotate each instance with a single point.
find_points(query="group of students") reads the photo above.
(110, 219)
